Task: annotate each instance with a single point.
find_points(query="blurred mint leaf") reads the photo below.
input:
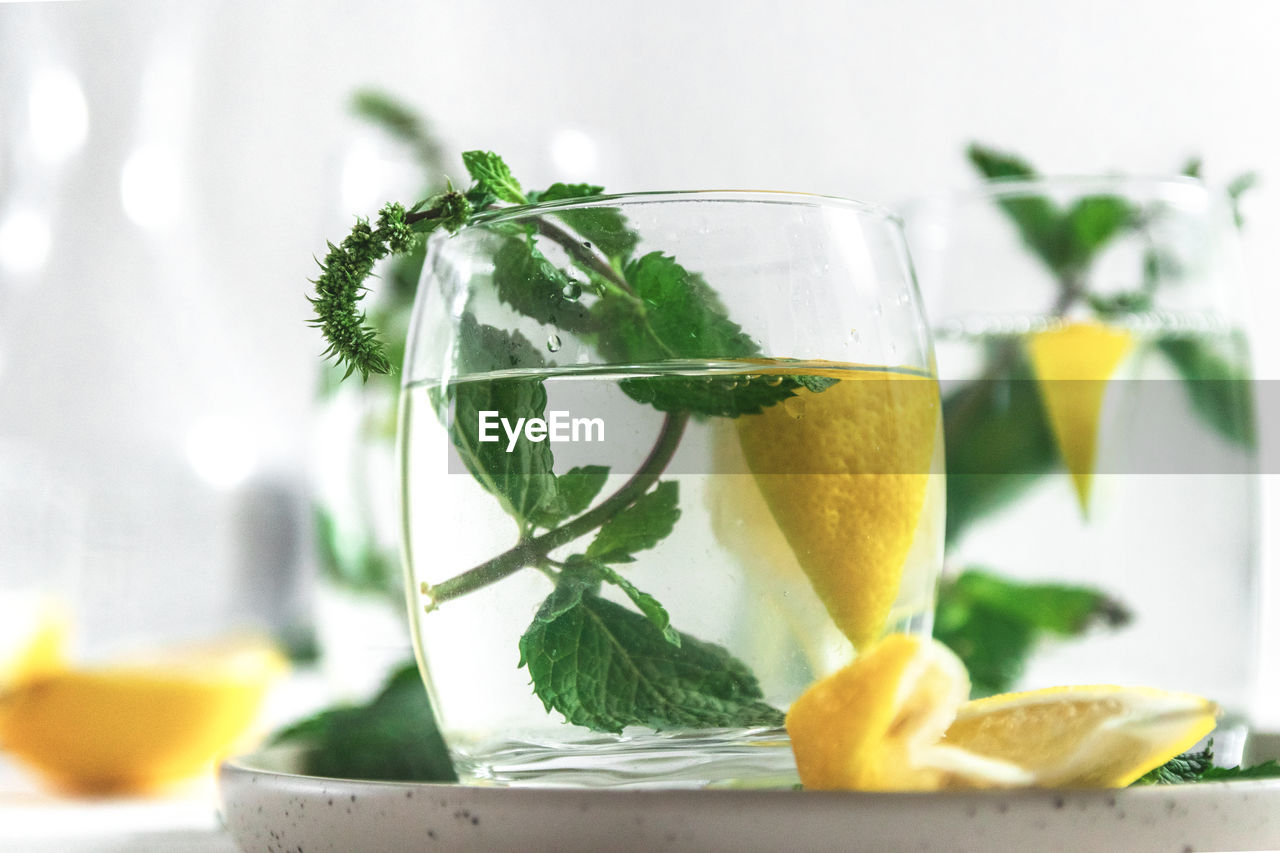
(1217, 384)
(493, 176)
(351, 558)
(998, 443)
(1066, 240)
(521, 478)
(561, 192)
(605, 667)
(640, 526)
(401, 122)
(575, 489)
(535, 287)
(993, 624)
(393, 738)
(1236, 189)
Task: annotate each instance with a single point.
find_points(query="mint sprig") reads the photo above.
(595, 661)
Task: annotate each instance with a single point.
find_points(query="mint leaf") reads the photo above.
(724, 397)
(998, 443)
(535, 287)
(575, 489)
(1199, 767)
(685, 315)
(646, 603)
(1187, 767)
(993, 624)
(1067, 241)
(638, 527)
(492, 174)
(1265, 770)
(604, 228)
(393, 737)
(1217, 384)
(1237, 187)
(605, 667)
(561, 192)
(521, 479)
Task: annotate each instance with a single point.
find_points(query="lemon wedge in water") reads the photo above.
(1072, 365)
(844, 473)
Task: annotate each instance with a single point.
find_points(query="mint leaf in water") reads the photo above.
(575, 489)
(993, 624)
(535, 287)
(519, 475)
(393, 737)
(998, 443)
(644, 602)
(638, 527)
(605, 228)
(493, 176)
(1216, 383)
(605, 667)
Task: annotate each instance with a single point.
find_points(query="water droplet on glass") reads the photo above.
(794, 406)
(572, 291)
(586, 244)
(878, 310)
(553, 343)
(855, 335)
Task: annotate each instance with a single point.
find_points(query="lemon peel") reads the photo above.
(895, 719)
(845, 473)
(138, 726)
(1072, 365)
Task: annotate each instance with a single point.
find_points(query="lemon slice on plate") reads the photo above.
(1072, 365)
(896, 719)
(140, 725)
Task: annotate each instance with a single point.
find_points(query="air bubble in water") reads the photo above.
(774, 380)
(572, 291)
(553, 343)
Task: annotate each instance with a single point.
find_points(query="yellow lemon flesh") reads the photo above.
(844, 473)
(1083, 737)
(1072, 365)
(896, 719)
(137, 727)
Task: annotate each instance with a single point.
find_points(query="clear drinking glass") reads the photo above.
(1099, 417)
(737, 481)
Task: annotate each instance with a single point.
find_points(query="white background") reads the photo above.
(167, 171)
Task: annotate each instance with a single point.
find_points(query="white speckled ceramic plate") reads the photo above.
(267, 808)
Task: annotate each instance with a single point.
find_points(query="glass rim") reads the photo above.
(1167, 186)
(779, 197)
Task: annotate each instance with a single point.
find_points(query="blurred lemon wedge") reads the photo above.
(33, 639)
(895, 719)
(844, 472)
(140, 725)
(1072, 365)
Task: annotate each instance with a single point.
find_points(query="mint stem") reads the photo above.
(530, 551)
